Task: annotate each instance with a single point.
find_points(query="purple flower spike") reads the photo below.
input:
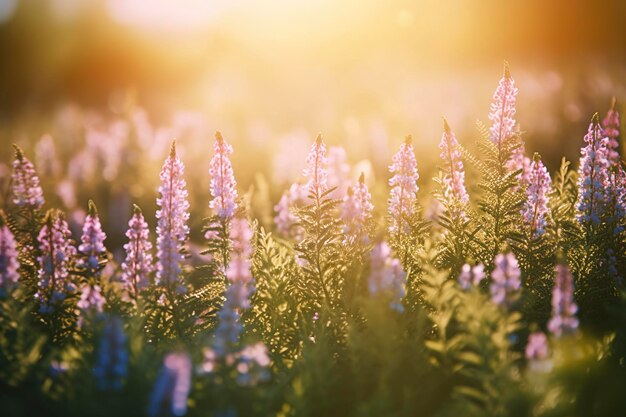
(471, 276)
(92, 241)
(356, 210)
(169, 396)
(223, 184)
(238, 292)
(535, 210)
(537, 347)
(454, 178)
(403, 188)
(112, 362)
(57, 251)
(610, 124)
(316, 170)
(502, 110)
(138, 266)
(172, 217)
(91, 303)
(9, 264)
(25, 185)
(387, 275)
(506, 282)
(593, 174)
(564, 308)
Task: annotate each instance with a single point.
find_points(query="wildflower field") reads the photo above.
(184, 268)
(503, 300)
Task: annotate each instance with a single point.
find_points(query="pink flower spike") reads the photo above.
(172, 217)
(387, 275)
(91, 303)
(593, 175)
(171, 390)
(471, 276)
(223, 184)
(9, 264)
(138, 266)
(316, 170)
(285, 219)
(25, 185)
(506, 282)
(403, 188)
(454, 178)
(56, 251)
(356, 210)
(564, 308)
(535, 210)
(502, 109)
(611, 125)
(92, 241)
(537, 347)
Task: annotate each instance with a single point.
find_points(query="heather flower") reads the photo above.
(506, 282)
(172, 217)
(471, 275)
(404, 188)
(356, 210)
(138, 266)
(91, 303)
(537, 347)
(25, 185)
(112, 356)
(238, 292)
(454, 178)
(593, 175)
(610, 125)
(171, 390)
(223, 184)
(502, 109)
(9, 264)
(56, 256)
(285, 219)
(338, 171)
(564, 308)
(535, 210)
(92, 242)
(316, 170)
(387, 275)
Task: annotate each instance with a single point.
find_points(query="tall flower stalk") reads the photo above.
(317, 171)
(387, 276)
(9, 264)
(356, 212)
(172, 229)
(535, 210)
(564, 308)
(25, 184)
(56, 256)
(454, 190)
(611, 125)
(402, 202)
(223, 189)
(505, 280)
(112, 356)
(593, 175)
(502, 109)
(240, 288)
(138, 265)
(223, 184)
(171, 389)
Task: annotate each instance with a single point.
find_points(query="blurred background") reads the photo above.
(94, 74)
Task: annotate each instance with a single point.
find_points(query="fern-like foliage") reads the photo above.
(500, 198)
